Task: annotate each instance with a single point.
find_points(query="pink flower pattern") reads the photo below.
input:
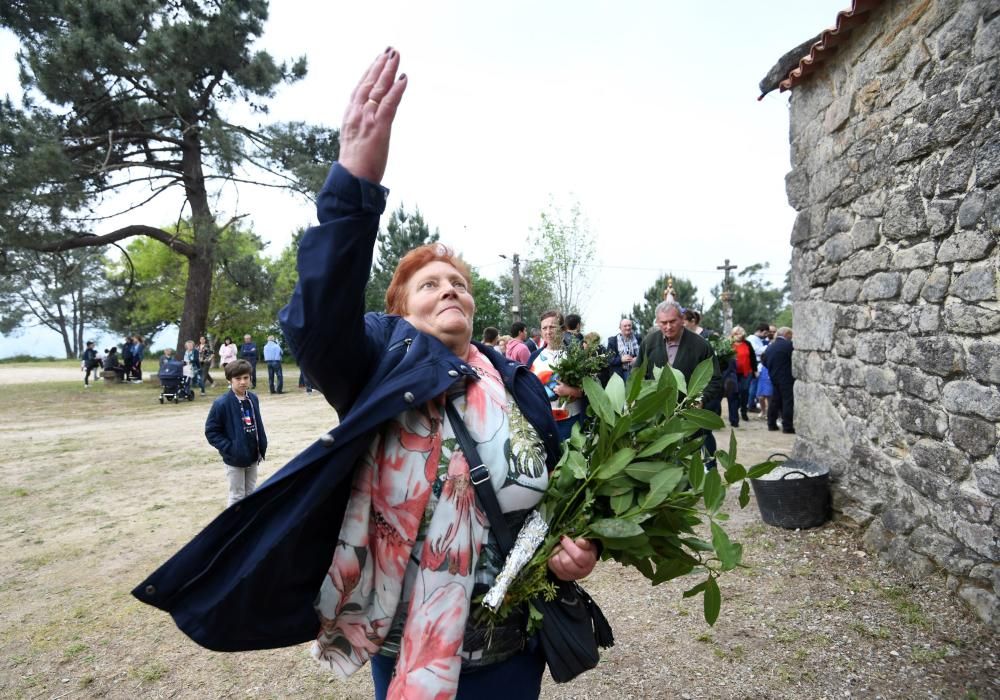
(391, 494)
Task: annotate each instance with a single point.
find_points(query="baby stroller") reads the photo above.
(174, 386)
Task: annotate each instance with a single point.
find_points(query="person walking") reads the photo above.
(89, 363)
(205, 356)
(272, 356)
(778, 360)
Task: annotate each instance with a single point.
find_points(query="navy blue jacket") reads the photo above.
(249, 579)
(778, 360)
(225, 432)
(248, 351)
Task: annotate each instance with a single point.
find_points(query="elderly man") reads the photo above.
(272, 356)
(683, 350)
(778, 360)
(624, 348)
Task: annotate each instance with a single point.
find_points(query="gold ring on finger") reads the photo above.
(373, 101)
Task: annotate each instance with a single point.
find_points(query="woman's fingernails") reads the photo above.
(387, 49)
(402, 76)
(392, 54)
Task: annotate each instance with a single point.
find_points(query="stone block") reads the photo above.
(870, 348)
(914, 141)
(837, 113)
(938, 457)
(838, 247)
(927, 177)
(938, 547)
(970, 319)
(802, 228)
(958, 32)
(980, 81)
(857, 317)
(985, 604)
(818, 416)
(987, 44)
(914, 565)
(881, 286)
(967, 245)
(915, 383)
(919, 255)
(827, 180)
(971, 209)
(980, 538)
(843, 342)
(955, 124)
(913, 284)
(880, 381)
(941, 216)
(973, 506)
(838, 221)
(971, 399)
(843, 291)
(904, 215)
(928, 484)
(940, 355)
(935, 289)
(891, 317)
(976, 437)
(814, 323)
(928, 319)
(956, 170)
(988, 163)
(825, 274)
(977, 283)
(797, 188)
(877, 537)
(899, 348)
(909, 97)
(987, 572)
(870, 204)
(988, 476)
(900, 521)
(865, 262)
(984, 361)
(918, 417)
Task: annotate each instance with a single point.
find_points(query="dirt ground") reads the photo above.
(100, 486)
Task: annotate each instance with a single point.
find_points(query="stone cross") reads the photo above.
(727, 297)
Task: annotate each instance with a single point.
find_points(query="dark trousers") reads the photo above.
(517, 678)
(274, 369)
(737, 398)
(96, 369)
(253, 372)
(782, 403)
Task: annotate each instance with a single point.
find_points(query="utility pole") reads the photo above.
(727, 297)
(515, 307)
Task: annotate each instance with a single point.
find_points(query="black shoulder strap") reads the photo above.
(479, 474)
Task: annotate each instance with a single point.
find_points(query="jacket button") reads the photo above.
(452, 373)
(326, 439)
(150, 589)
(408, 397)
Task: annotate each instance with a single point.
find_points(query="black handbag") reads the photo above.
(573, 626)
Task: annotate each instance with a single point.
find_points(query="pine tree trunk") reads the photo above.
(198, 291)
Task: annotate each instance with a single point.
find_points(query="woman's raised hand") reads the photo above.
(364, 135)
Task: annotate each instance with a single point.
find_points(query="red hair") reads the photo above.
(396, 294)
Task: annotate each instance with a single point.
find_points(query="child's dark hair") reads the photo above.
(237, 368)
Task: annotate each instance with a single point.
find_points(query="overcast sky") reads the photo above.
(644, 112)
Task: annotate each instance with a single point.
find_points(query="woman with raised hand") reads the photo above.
(371, 541)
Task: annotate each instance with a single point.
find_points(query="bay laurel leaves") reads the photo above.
(712, 490)
(703, 418)
(616, 528)
(661, 443)
(713, 601)
(661, 486)
(701, 376)
(615, 463)
(615, 390)
(599, 401)
(645, 471)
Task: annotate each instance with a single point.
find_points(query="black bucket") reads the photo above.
(795, 503)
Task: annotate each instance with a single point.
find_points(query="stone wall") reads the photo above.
(895, 166)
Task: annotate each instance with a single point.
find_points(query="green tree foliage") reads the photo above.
(685, 294)
(404, 232)
(491, 306)
(565, 245)
(243, 300)
(754, 300)
(138, 91)
(58, 291)
(537, 295)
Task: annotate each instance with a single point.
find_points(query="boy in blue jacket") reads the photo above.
(234, 427)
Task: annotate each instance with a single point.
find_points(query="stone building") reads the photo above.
(895, 154)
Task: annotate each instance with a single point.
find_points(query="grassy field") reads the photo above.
(100, 486)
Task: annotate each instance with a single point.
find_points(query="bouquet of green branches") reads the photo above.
(578, 362)
(723, 348)
(635, 480)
